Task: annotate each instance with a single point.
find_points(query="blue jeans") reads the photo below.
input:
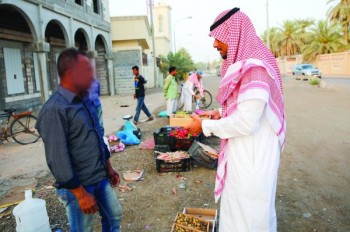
(141, 106)
(108, 204)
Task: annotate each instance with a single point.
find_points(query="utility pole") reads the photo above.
(267, 25)
(153, 45)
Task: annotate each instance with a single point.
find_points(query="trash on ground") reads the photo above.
(133, 175)
(15, 195)
(124, 188)
(148, 144)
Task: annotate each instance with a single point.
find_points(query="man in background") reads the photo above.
(170, 91)
(139, 94)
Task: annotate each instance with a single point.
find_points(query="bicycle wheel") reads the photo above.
(23, 130)
(206, 100)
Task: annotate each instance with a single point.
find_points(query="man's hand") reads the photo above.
(196, 125)
(214, 114)
(86, 201)
(134, 95)
(112, 174)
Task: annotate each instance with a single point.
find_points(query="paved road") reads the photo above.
(338, 81)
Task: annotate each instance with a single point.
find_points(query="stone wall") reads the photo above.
(123, 61)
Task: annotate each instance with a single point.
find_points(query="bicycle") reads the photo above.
(204, 102)
(20, 127)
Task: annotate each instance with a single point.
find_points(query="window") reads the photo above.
(160, 21)
(96, 6)
(79, 2)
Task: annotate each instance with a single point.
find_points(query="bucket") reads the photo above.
(31, 215)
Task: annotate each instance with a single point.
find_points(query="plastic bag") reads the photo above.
(127, 137)
(129, 126)
(163, 114)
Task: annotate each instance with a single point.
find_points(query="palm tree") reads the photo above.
(341, 13)
(275, 36)
(325, 38)
(289, 43)
(303, 26)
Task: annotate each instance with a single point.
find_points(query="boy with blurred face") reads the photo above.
(251, 125)
(75, 151)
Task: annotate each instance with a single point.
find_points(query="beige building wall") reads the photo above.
(286, 64)
(335, 64)
(162, 29)
(332, 65)
(130, 31)
(125, 44)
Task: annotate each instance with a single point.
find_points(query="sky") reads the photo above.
(192, 34)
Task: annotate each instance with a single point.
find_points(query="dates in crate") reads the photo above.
(191, 222)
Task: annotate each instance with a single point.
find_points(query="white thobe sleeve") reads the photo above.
(244, 121)
(191, 87)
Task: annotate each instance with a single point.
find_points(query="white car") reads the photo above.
(305, 71)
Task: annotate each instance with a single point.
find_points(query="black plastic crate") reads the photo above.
(161, 138)
(201, 157)
(162, 148)
(182, 166)
(167, 129)
(163, 166)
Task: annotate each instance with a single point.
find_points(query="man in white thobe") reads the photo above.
(251, 126)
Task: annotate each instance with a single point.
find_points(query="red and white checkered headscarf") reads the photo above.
(249, 72)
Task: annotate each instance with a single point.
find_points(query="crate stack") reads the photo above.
(164, 143)
(175, 138)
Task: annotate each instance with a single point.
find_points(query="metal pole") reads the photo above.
(153, 45)
(267, 25)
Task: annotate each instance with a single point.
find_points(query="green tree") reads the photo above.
(325, 38)
(303, 30)
(289, 42)
(341, 12)
(275, 37)
(183, 62)
(164, 65)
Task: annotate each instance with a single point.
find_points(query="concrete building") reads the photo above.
(34, 32)
(162, 29)
(132, 45)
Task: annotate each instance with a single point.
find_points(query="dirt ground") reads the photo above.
(313, 188)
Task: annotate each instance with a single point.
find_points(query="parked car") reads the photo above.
(305, 71)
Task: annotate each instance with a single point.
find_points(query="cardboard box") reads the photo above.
(207, 223)
(112, 143)
(180, 122)
(204, 214)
